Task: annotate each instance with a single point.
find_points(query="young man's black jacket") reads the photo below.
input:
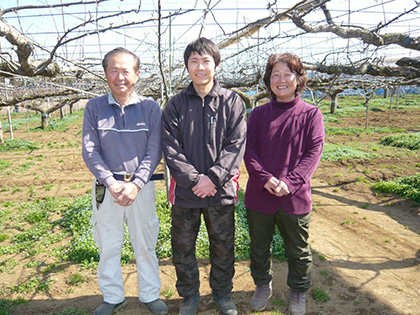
(204, 136)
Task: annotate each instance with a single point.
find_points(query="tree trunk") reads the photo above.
(9, 119)
(367, 114)
(334, 101)
(44, 120)
(386, 92)
(390, 106)
(1, 134)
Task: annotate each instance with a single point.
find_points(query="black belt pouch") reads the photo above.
(99, 191)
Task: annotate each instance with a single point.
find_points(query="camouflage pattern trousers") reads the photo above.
(220, 223)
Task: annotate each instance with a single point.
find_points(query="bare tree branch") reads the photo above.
(24, 50)
(396, 18)
(253, 27)
(368, 37)
(367, 68)
(25, 46)
(31, 97)
(26, 7)
(409, 62)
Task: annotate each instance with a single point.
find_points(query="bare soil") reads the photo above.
(366, 245)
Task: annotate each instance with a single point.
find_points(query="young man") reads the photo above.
(203, 136)
(121, 147)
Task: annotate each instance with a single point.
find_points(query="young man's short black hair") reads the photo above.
(120, 50)
(202, 46)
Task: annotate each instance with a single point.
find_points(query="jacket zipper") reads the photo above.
(204, 140)
(123, 115)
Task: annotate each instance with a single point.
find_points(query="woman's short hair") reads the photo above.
(202, 46)
(295, 65)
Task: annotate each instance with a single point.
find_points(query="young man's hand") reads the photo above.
(205, 187)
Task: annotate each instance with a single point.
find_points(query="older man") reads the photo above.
(121, 147)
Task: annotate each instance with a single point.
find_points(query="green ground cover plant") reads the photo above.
(7, 304)
(358, 131)
(18, 145)
(61, 124)
(19, 121)
(83, 250)
(77, 279)
(4, 164)
(338, 152)
(320, 295)
(409, 141)
(35, 229)
(406, 187)
(34, 232)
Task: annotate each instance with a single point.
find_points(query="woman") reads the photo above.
(284, 146)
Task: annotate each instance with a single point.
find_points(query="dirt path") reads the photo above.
(374, 249)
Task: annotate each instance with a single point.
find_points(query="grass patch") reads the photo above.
(8, 265)
(33, 284)
(4, 164)
(47, 187)
(406, 187)
(325, 273)
(38, 232)
(18, 145)
(20, 121)
(77, 279)
(277, 302)
(336, 152)
(168, 293)
(61, 124)
(358, 131)
(320, 295)
(409, 141)
(71, 311)
(6, 305)
(3, 237)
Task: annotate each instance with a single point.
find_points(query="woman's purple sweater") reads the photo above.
(284, 140)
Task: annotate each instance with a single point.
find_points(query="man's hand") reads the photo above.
(271, 185)
(205, 187)
(115, 189)
(282, 189)
(127, 193)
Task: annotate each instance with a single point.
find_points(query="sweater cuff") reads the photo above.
(288, 183)
(139, 182)
(109, 181)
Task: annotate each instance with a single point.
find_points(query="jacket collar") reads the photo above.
(134, 99)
